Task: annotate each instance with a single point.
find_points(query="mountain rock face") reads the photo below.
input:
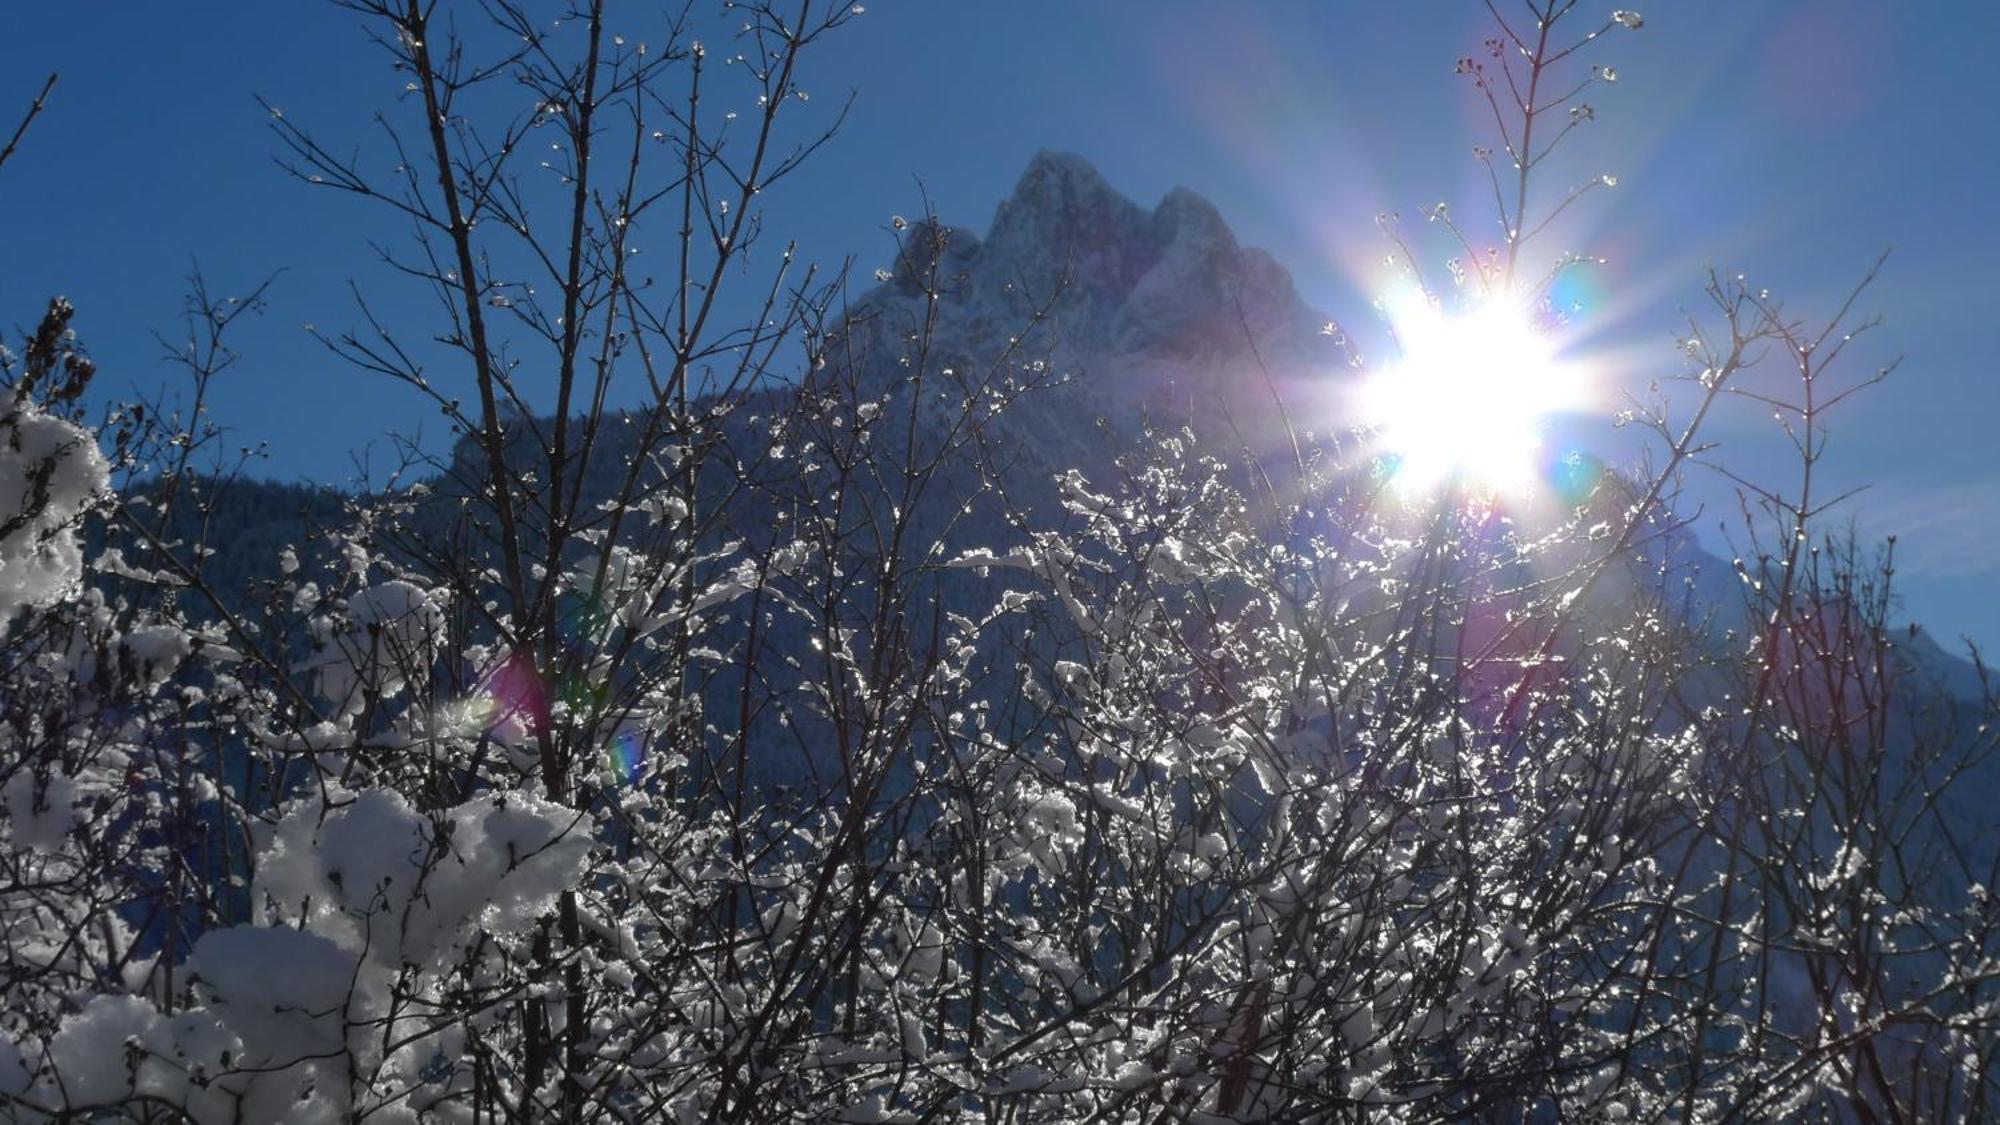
(1170, 285)
(1157, 314)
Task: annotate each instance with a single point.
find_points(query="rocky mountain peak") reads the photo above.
(1151, 313)
(1169, 283)
(1190, 219)
(1062, 203)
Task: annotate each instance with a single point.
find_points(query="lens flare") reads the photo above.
(1575, 294)
(625, 757)
(1468, 397)
(1574, 476)
(517, 693)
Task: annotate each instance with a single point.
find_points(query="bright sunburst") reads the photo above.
(1468, 397)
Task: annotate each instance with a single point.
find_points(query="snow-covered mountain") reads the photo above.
(1162, 290)
(1159, 315)
(1155, 315)
(1128, 316)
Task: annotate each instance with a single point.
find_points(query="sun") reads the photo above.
(1468, 399)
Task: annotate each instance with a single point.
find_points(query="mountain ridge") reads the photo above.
(1159, 315)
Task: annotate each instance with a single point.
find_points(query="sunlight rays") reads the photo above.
(1468, 397)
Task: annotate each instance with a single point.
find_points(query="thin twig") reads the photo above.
(34, 111)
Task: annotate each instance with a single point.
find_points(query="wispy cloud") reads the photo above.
(1942, 531)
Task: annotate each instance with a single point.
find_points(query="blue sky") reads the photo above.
(1791, 141)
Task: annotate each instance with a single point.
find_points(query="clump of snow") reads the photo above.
(157, 650)
(371, 872)
(283, 990)
(15, 1077)
(89, 1052)
(260, 1058)
(50, 471)
(385, 641)
(367, 897)
(41, 812)
(121, 1047)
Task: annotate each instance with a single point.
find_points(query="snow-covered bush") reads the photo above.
(787, 751)
(51, 471)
